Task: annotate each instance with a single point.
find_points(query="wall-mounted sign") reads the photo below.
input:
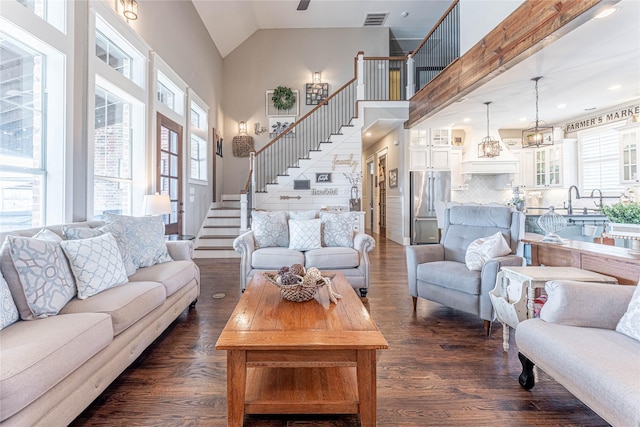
(324, 192)
(602, 119)
(323, 177)
(301, 184)
(346, 162)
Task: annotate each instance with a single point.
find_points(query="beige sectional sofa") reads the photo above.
(52, 368)
(584, 339)
(323, 240)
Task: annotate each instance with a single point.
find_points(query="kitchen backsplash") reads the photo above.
(481, 189)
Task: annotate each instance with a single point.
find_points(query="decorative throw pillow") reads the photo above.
(629, 324)
(48, 235)
(302, 215)
(96, 264)
(8, 311)
(337, 229)
(483, 249)
(304, 234)
(145, 238)
(270, 229)
(44, 275)
(115, 228)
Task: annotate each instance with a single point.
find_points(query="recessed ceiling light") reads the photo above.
(590, 109)
(466, 120)
(605, 12)
(560, 106)
(615, 87)
(368, 134)
(404, 14)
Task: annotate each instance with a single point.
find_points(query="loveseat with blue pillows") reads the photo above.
(325, 240)
(80, 302)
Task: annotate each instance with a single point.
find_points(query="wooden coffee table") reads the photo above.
(312, 357)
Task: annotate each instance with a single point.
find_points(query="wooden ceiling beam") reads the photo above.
(530, 28)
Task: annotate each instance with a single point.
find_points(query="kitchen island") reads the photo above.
(583, 224)
(609, 260)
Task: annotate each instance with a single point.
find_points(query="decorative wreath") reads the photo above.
(283, 98)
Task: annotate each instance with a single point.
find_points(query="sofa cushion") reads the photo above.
(96, 264)
(173, 275)
(37, 355)
(125, 304)
(629, 324)
(48, 235)
(8, 310)
(144, 237)
(483, 249)
(44, 280)
(332, 258)
(270, 229)
(304, 234)
(73, 232)
(450, 275)
(337, 229)
(274, 258)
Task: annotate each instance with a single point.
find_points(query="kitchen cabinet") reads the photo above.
(457, 179)
(524, 177)
(548, 166)
(429, 149)
(629, 137)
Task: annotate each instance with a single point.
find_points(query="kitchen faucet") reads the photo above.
(600, 198)
(569, 204)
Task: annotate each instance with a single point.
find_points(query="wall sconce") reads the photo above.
(130, 9)
(258, 129)
(242, 128)
(316, 77)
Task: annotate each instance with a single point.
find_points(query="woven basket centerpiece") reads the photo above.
(298, 284)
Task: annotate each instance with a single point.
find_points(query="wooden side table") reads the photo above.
(515, 289)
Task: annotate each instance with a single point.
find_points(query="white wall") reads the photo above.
(479, 17)
(272, 58)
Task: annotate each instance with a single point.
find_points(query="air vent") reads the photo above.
(375, 19)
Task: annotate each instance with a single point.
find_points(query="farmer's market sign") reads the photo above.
(602, 119)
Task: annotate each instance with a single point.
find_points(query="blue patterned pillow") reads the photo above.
(337, 229)
(145, 238)
(45, 279)
(96, 264)
(304, 234)
(115, 228)
(270, 229)
(8, 311)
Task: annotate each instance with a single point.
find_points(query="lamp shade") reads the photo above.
(156, 204)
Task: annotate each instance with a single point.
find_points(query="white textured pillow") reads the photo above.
(302, 215)
(483, 249)
(48, 235)
(629, 324)
(45, 283)
(337, 229)
(270, 229)
(304, 234)
(96, 264)
(8, 311)
(115, 228)
(145, 238)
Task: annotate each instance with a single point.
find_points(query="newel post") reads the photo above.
(360, 75)
(411, 86)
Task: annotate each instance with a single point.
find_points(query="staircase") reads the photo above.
(220, 227)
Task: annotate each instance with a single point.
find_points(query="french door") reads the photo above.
(169, 175)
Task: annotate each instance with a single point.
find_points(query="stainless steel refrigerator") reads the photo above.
(427, 188)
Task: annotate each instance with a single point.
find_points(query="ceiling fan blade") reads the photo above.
(303, 5)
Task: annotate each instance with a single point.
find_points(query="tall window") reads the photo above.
(52, 12)
(198, 124)
(600, 158)
(169, 94)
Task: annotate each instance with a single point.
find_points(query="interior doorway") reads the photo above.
(371, 185)
(382, 194)
(169, 171)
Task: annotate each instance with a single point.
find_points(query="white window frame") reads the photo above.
(132, 90)
(608, 127)
(201, 132)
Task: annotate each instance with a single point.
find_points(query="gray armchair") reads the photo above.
(439, 273)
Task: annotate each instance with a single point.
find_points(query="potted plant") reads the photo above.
(624, 219)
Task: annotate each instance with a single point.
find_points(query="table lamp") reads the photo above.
(156, 204)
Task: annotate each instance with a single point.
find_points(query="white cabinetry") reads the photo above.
(552, 166)
(524, 177)
(457, 179)
(629, 154)
(429, 149)
(548, 166)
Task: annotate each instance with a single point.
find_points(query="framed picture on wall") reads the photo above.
(393, 178)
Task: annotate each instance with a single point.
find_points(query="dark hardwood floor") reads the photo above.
(439, 370)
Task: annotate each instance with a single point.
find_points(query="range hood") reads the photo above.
(505, 163)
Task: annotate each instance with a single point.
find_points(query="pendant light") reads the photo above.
(539, 134)
(489, 146)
